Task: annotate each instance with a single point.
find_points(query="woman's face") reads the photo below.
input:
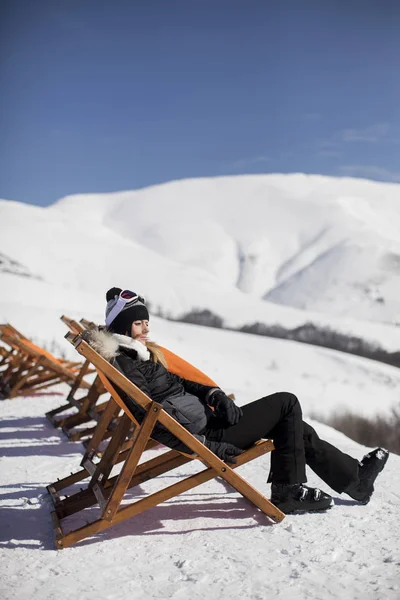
(139, 330)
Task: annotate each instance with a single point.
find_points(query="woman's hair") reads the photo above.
(157, 354)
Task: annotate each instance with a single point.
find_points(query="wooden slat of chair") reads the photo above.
(21, 372)
(4, 354)
(109, 495)
(110, 427)
(16, 366)
(103, 431)
(52, 363)
(35, 379)
(87, 411)
(22, 344)
(11, 358)
(7, 328)
(71, 421)
(81, 425)
(73, 325)
(70, 424)
(71, 400)
(88, 324)
(19, 380)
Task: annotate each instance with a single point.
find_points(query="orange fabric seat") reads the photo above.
(182, 368)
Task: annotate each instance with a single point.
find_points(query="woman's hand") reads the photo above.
(225, 409)
(224, 451)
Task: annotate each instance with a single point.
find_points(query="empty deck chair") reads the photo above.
(26, 368)
(107, 492)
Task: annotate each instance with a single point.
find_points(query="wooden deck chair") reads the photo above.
(107, 492)
(26, 368)
(87, 408)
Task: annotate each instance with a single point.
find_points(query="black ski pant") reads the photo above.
(279, 417)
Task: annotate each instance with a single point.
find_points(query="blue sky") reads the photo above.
(104, 96)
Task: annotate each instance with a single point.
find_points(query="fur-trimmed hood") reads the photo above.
(107, 344)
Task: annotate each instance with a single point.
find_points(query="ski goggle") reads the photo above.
(128, 295)
(125, 298)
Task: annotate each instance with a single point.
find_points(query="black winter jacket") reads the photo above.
(186, 401)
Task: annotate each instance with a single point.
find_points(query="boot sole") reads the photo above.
(301, 511)
(305, 512)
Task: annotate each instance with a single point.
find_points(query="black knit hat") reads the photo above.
(122, 311)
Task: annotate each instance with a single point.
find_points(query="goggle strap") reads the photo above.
(116, 309)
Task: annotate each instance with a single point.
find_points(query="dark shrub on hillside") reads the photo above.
(307, 333)
(202, 317)
(269, 330)
(327, 338)
(380, 431)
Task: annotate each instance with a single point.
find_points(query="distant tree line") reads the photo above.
(381, 431)
(309, 333)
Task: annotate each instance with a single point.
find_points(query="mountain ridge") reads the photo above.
(250, 238)
(316, 218)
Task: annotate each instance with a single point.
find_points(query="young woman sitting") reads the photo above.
(225, 428)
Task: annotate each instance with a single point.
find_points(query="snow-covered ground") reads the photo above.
(236, 245)
(210, 542)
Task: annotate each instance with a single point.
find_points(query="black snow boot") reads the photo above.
(369, 468)
(299, 498)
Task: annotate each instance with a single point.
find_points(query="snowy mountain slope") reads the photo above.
(319, 376)
(208, 542)
(273, 236)
(364, 290)
(186, 293)
(71, 245)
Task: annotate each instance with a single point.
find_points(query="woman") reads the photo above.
(225, 428)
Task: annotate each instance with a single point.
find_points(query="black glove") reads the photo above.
(225, 409)
(223, 450)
